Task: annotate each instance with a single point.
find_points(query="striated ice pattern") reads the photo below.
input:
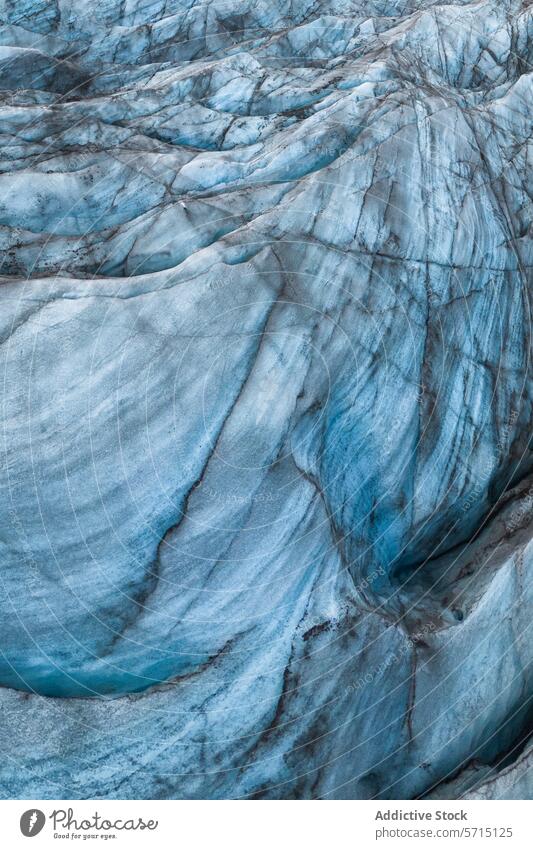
(266, 484)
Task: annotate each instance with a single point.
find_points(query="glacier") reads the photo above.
(267, 471)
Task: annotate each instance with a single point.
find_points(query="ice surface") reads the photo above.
(267, 479)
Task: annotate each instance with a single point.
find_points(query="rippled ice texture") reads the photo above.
(266, 482)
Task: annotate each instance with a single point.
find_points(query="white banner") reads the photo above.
(262, 825)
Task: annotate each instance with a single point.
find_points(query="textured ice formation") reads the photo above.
(267, 480)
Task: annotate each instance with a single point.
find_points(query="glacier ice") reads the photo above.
(267, 477)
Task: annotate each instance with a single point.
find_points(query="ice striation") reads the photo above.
(267, 474)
